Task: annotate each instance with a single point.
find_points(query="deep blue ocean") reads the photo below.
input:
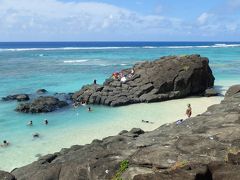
(66, 67)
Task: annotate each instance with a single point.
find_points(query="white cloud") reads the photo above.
(218, 25)
(49, 18)
(233, 27)
(203, 18)
(55, 20)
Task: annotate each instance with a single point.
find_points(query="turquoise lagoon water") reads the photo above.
(65, 67)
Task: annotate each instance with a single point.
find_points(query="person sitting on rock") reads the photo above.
(94, 81)
(121, 74)
(132, 71)
(5, 143)
(115, 75)
(123, 79)
(189, 111)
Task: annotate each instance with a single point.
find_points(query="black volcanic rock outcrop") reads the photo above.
(216, 170)
(167, 78)
(6, 176)
(233, 90)
(18, 97)
(41, 104)
(172, 151)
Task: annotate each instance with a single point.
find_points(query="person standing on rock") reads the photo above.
(189, 110)
(131, 74)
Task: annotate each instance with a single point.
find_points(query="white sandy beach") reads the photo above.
(126, 118)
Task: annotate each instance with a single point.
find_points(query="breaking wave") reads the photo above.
(126, 47)
(92, 62)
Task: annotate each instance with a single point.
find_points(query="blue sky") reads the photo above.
(120, 20)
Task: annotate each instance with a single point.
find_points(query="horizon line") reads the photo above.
(106, 41)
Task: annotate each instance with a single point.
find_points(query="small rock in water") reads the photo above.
(38, 155)
(210, 92)
(41, 104)
(18, 97)
(41, 91)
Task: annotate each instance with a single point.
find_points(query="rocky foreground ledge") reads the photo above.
(167, 78)
(205, 147)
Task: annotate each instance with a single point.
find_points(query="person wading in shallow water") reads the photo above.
(5, 143)
(189, 111)
(30, 123)
(46, 122)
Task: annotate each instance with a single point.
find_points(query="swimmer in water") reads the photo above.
(83, 103)
(46, 122)
(89, 109)
(36, 135)
(5, 143)
(30, 123)
(147, 122)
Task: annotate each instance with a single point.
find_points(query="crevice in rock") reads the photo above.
(204, 176)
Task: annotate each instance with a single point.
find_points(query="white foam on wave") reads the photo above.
(65, 48)
(150, 47)
(179, 47)
(226, 45)
(91, 62)
(204, 46)
(86, 62)
(76, 61)
(123, 47)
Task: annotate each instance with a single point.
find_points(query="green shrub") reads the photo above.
(231, 150)
(123, 167)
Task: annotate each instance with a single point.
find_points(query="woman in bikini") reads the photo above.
(189, 111)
